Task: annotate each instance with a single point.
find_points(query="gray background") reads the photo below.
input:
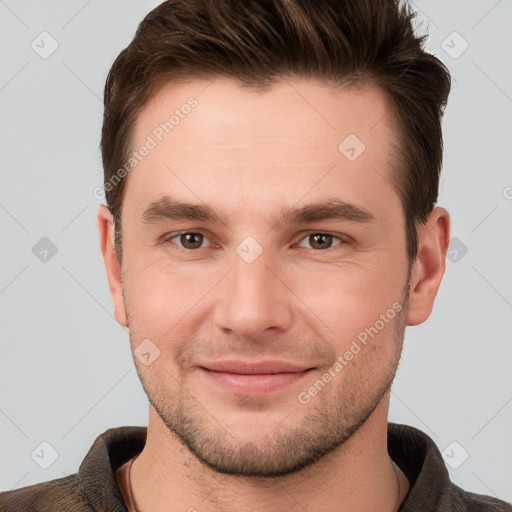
(66, 372)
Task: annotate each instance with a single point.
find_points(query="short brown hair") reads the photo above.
(257, 43)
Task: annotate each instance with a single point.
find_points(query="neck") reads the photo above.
(359, 475)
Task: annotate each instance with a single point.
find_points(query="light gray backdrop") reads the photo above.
(66, 372)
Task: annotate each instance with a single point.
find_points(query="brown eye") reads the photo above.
(321, 241)
(189, 240)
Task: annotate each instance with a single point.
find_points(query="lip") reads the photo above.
(249, 368)
(244, 378)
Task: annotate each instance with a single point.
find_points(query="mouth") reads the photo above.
(253, 378)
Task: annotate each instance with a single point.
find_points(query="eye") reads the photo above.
(189, 240)
(321, 241)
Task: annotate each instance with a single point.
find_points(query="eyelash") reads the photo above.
(341, 240)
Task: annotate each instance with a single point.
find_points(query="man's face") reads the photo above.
(265, 285)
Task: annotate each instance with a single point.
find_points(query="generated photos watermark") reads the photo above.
(304, 397)
(152, 140)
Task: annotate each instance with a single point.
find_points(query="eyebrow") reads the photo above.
(167, 208)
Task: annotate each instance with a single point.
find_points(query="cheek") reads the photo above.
(361, 284)
(151, 297)
(165, 298)
(353, 300)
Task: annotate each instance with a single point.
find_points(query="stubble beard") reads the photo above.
(332, 419)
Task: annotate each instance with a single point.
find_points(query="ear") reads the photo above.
(106, 231)
(429, 266)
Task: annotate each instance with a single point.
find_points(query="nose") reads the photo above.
(254, 298)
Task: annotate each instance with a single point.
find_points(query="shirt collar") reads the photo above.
(412, 450)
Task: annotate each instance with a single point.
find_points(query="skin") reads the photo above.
(252, 154)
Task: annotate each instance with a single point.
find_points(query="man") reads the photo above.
(271, 174)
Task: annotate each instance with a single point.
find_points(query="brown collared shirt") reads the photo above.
(95, 487)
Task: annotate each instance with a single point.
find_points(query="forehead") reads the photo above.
(306, 109)
(216, 138)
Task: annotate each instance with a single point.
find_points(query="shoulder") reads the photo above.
(93, 488)
(455, 499)
(479, 502)
(419, 458)
(60, 494)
